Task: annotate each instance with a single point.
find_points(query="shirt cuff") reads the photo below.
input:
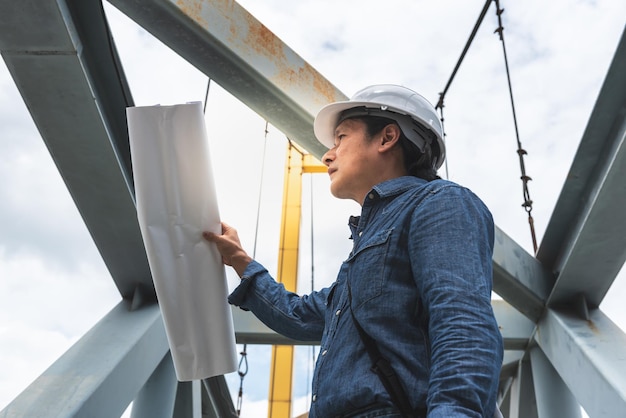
(238, 296)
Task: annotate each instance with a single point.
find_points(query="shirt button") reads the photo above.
(324, 352)
(338, 312)
(314, 398)
(371, 196)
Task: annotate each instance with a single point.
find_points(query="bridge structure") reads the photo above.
(561, 350)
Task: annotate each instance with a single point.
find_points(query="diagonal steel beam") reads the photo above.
(515, 328)
(585, 242)
(66, 68)
(519, 278)
(590, 357)
(216, 399)
(156, 398)
(100, 374)
(554, 399)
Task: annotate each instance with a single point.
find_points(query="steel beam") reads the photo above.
(156, 397)
(585, 242)
(516, 329)
(231, 46)
(65, 66)
(188, 402)
(101, 374)
(216, 400)
(510, 361)
(553, 398)
(519, 278)
(249, 330)
(523, 401)
(504, 403)
(590, 357)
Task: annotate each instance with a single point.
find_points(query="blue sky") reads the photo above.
(53, 284)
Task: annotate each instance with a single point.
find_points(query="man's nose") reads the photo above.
(327, 158)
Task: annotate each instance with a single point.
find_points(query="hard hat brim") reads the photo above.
(327, 118)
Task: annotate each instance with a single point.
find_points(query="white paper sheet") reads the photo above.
(176, 201)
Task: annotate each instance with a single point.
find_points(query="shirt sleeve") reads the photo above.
(297, 317)
(451, 248)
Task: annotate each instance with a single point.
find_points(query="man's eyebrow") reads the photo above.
(340, 128)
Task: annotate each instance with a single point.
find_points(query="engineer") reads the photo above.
(413, 295)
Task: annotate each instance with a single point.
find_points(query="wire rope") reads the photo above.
(258, 207)
(521, 152)
(442, 95)
(312, 359)
(465, 49)
(243, 362)
(206, 95)
(443, 130)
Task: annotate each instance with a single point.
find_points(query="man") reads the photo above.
(415, 289)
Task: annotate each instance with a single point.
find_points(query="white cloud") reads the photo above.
(44, 309)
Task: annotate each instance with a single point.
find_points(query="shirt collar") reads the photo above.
(386, 189)
(396, 186)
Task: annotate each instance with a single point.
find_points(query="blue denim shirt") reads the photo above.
(420, 275)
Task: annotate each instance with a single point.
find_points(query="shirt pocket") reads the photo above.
(367, 268)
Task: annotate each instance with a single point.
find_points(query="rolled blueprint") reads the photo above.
(176, 201)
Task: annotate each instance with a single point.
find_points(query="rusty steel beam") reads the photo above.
(231, 46)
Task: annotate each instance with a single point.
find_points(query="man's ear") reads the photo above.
(390, 137)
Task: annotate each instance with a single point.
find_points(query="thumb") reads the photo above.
(209, 236)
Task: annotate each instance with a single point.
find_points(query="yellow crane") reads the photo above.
(281, 367)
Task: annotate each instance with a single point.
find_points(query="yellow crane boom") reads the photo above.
(281, 366)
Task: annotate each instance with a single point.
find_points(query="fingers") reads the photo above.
(229, 231)
(209, 236)
(229, 247)
(213, 237)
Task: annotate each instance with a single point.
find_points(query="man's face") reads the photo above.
(350, 161)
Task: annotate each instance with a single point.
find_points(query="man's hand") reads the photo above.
(229, 246)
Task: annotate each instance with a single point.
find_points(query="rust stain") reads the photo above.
(193, 9)
(265, 43)
(256, 40)
(324, 87)
(262, 40)
(223, 4)
(323, 91)
(593, 327)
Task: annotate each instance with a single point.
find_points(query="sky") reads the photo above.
(53, 284)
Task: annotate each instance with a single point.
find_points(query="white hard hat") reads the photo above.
(416, 117)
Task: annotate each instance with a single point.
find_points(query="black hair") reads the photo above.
(417, 163)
